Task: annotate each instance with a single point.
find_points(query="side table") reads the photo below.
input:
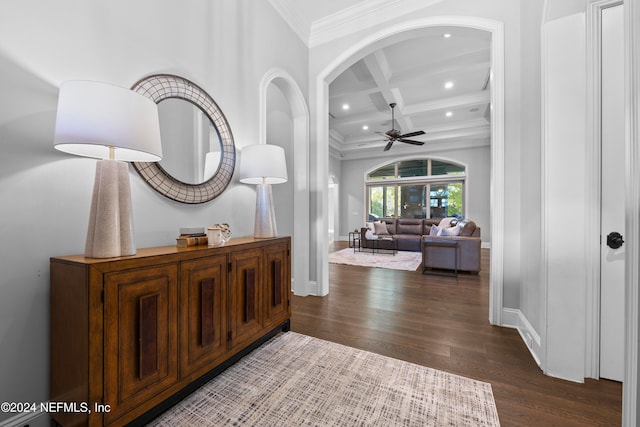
(354, 239)
(392, 245)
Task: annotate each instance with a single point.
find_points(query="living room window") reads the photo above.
(416, 188)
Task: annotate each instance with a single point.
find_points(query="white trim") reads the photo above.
(514, 318)
(33, 419)
(630, 416)
(593, 192)
(362, 16)
(424, 179)
(296, 21)
(346, 21)
(358, 50)
(300, 113)
(544, 184)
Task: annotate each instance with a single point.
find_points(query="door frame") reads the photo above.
(593, 183)
(630, 415)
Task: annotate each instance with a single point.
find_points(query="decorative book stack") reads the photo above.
(191, 236)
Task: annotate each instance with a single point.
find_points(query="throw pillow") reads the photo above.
(370, 226)
(446, 222)
(434, 230)
(451, 231)
(380, 228)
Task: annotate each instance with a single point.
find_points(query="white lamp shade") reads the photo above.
(263, 164)
(93, 116)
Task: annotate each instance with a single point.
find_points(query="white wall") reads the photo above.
(224, 46)
(565, 134)
(531, 302)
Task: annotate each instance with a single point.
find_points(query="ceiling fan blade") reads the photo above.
(410, 134)
(410, 141)
(388, 146)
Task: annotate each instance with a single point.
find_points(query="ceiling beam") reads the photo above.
(476, 60)
(465, 100)
(381, 71)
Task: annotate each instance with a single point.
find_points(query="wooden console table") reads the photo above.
(134, 335)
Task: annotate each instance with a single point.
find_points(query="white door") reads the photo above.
(612, 264)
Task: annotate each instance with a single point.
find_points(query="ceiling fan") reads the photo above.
(393, 135)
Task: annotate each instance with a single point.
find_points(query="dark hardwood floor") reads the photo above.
(443, 323)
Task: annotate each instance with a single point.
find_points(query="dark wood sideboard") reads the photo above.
(131, 336)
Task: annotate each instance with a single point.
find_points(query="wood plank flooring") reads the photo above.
(442, 323)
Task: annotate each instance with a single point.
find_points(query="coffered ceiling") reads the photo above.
(439, 81)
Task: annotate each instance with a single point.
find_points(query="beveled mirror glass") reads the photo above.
(198, 148)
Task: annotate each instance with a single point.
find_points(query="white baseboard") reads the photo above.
(513, 318)
(32, 419)
(312, 284)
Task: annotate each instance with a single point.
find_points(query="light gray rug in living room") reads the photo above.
(402, 260)
(297, 380)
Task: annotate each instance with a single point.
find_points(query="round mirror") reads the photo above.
(197, 144)
(190, 142)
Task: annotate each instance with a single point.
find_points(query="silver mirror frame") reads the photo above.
(163, 86)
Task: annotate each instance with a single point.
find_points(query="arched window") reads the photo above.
(416, 188)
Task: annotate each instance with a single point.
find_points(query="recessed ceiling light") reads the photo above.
(449, 113)
(365, 127)
(447, 35)
(345, 106)
(448, 85)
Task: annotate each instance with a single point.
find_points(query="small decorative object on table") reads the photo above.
(226, 231)
(191, 236)
(214, 236)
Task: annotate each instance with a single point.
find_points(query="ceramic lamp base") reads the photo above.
(110, 232)
(265, 225)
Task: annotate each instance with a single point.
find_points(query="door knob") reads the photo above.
(614, 240)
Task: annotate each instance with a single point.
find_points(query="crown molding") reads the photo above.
(349, 20)
(296, 21)
(361, 16)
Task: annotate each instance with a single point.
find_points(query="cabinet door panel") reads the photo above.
(140, 336)
(246, 294)
(203, 312)
(277, 284)
(148, 335)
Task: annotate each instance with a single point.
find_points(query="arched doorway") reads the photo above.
(279, 87)
(357, 51)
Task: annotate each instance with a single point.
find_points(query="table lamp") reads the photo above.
(263, 164)
(115, 125)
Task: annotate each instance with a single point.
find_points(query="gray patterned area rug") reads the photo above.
(296, 380)
(402, 260)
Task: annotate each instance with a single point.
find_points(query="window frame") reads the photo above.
(426, 180)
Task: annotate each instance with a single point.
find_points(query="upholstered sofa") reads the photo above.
(410, 233)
